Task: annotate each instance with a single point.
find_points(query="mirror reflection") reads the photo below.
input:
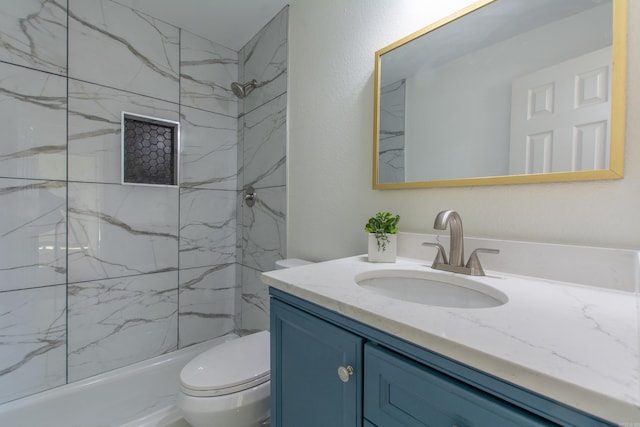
(505, 91)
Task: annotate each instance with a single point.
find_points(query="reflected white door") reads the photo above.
(560, 116)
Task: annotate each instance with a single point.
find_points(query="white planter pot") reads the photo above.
(388, 254)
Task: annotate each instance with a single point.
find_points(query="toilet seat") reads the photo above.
(233, 366)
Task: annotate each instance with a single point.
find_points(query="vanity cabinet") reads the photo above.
(329, 370)
(306, 355)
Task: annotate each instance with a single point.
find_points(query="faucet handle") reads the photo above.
(474, 262)
(441, 257)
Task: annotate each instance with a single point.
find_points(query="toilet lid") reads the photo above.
(230, 367)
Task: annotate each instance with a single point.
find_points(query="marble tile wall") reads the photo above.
(207, 302)
(34, 35)
(33, 196)
(95, 275)
(33, 340)
(262, 138)
(118, 47)
(208, 192)
(392, 120)
(130, 318)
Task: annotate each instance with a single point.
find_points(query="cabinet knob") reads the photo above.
(345, 373)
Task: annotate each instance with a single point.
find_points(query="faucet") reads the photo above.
(456, 242)
(455, 263)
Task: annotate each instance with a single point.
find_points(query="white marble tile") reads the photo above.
(263, 242)
(207, 303)
(33, 233)
(32, 342)
(207, 227)
(238, 296)
(255, 301)
(209, 150)
(131, 319)
(121, 230)
(240, 206)
(391, 160)
(207, 70)
(95, 115)
(391, 138)
(115, 46)
(265, 144)
(240, 158)
(264, 58)
(262, 142)
(33, 33)
(33, 116)
(264, 229)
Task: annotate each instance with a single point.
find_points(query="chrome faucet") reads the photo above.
(456, 247)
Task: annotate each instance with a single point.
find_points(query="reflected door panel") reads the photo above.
(560, 117)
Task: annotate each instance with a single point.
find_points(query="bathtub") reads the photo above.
(139, 395)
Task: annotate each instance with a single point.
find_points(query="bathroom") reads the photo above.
(322, 112)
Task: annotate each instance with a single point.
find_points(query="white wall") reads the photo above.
(332, 46)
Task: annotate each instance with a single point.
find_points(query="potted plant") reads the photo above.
(382, 230)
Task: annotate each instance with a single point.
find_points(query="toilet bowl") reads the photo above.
(228, 385)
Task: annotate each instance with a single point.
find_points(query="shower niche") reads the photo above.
(150, 149)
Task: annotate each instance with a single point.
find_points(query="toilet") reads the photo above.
(228, 385)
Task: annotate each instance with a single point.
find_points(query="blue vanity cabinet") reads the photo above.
(306, 356)
(393, 383)
(399, 393)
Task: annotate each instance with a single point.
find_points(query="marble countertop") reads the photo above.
(576, 344)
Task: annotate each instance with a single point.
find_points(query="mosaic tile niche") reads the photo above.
(149, 150)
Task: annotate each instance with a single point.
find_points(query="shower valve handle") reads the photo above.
(250, 196)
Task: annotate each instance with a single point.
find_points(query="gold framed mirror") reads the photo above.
(504, 92)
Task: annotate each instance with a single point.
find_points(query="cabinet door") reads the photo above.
(401, 393)
(306, 354)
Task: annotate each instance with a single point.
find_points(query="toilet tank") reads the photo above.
(291, 262)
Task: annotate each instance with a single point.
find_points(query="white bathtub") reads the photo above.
(139, 395)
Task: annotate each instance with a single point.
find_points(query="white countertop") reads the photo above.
(576, 344)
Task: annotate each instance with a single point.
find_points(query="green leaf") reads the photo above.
(381, 224)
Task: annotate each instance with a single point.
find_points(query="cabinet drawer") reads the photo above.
(400, 392)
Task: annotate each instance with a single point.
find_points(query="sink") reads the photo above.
(431, 288)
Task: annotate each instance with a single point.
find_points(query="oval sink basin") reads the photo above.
(429, 288)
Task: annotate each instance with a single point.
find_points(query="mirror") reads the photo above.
(504, 92)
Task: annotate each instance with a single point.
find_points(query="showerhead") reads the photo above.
(243, 90)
